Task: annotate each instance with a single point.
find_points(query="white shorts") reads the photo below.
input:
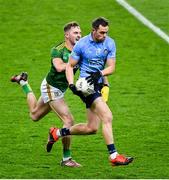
(50, 93)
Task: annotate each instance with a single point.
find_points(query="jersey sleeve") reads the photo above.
(76, 52)
(112, 50)
(55, 53)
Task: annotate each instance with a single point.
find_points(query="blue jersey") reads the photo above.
(91, 55)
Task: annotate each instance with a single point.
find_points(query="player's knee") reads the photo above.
(34, 117)
(92, 130)
(108, 118)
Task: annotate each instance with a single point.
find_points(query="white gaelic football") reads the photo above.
(83, 86)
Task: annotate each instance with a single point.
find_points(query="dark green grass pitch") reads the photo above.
(138, 97)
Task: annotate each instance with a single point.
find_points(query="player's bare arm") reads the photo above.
(59, 64)
(110, 67)
(105, 80)
(69, 70)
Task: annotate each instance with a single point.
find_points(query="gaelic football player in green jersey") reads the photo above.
(53, 88)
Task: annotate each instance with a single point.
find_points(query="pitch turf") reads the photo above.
(138, 97)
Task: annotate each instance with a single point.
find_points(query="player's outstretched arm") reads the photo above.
(69, 70)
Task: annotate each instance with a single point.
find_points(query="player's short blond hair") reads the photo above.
(69, 25)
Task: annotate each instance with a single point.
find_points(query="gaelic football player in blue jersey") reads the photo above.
(92, 53)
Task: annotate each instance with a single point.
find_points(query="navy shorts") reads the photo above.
(89, 99)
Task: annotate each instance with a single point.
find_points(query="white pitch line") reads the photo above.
(144, 20)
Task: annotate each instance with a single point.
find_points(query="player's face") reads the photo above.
(100, 34)
(74, 34)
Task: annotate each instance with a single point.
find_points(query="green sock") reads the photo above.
(66, 153)
(26, 88)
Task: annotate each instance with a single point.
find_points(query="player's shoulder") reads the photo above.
(59, 46)
(83, 39)
(109, 39)
(110, 42)
(82, 42)
(57, 50)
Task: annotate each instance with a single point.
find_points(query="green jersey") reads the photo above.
(54, 78)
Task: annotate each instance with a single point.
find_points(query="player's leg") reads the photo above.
(61, 109)
(93, 120)
(104, 113)
(97, 105)
(90, 127)
(81, 128)
(37, 109)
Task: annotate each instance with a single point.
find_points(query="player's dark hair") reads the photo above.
(99, 21)
(68, 26)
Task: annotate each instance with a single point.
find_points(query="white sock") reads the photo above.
(22, 82)
(67, 158)
(113, 155)
(58, 133)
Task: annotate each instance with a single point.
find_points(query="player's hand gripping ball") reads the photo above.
(83, 86)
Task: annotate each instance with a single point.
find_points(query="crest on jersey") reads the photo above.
(98, 51)
(105, 51)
